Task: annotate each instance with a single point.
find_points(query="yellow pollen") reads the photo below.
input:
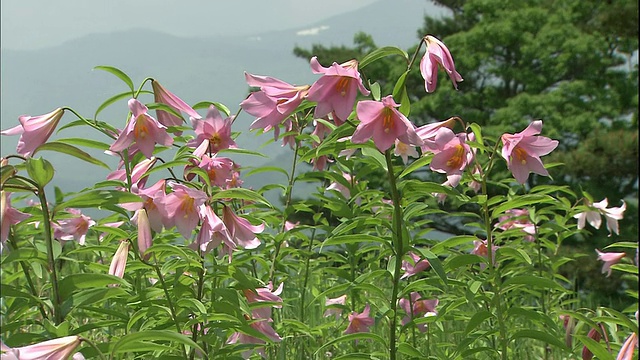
(342, 85)
(456, 160)
(149, 205)
(212, 174)
(140, 130)
(187, 206)
(387, 121)
(215, 141)
(520, 155)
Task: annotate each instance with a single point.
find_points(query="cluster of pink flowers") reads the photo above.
(594, 215)
(518, 219)
(416, 307)
(260, 318)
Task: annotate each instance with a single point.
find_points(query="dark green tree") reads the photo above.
(571, 63)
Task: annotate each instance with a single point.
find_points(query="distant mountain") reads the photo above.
(197, 69)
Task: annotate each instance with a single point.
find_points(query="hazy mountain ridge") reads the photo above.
(196, 69)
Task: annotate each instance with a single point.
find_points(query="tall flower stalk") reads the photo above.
(397, 239)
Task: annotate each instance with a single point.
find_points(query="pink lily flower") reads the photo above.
(332, 309)
(212, 233)
(142, 129)
(428, 132)
(8, 215)
(275, 101)
(518, 219)
(145, 237)
(151, 197)
(34, 130)
(522, 151)
(137, 173)
(404, 151)
(116, 224)
(320, 163)
(609, 258)
(451, 154)
(215, 130)
(359, 322)
(481, 249)
(436, 54)
(74, 228)
(382, 121)
(628, 348)
(416, 308)
(289, 139)
(180, 208)
(289, 225)
(266, 294)
(336, 90)
(119, 261)
(163, 96)
(612, 215)
(417, 265)
(60, 348)
(339, 187)
(219, 170)
(595, 335)
(261, 325)
(242, 232)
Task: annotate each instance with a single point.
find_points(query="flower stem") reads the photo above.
(292, 180)
(196, 327)
(25, 270)
(172, 308)
(399, 252)
(494, 272)
(48, 238)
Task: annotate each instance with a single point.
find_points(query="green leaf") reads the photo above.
(417, 164)
(539, 335)
(478, 133)
(375, 91)
(266, 169)
(522, 201)
(435, 263)
(118, 73)
(6, 172)
(206, 104)
(452, 242)
(379, 53)
(515, 253)
(622, 244)
(595, 347)
(70, 150)
(628, 268)
(533, 281)
(457, 261)
(353, 337)
(85, 142)
(242, 152)
(111, 100)
(73, 282)
(127, 341)
(39, 170)
(376, 155)
(407, 349)
(476, 320)
(98, 198)
(353, 239)
(400, 94)
(241, 193)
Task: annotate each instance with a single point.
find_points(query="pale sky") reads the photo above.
(33, 24)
